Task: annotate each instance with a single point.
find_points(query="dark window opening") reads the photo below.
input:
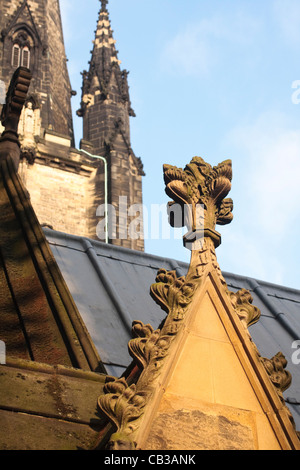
(20, 56)
(25, 62)
(15, 62)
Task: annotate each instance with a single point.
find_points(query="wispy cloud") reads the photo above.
(188, 53)
(287, 15)
(267, 164)
(198, 47)
(248, 255)
(270, 147)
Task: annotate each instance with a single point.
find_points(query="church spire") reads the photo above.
(104, 53)
(103, 5)
(105, 84)
(106, 110)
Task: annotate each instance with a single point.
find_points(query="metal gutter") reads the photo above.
(105, 189)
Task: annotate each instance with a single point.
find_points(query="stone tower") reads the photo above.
(31, 36)
(106, 111)
(69, 187)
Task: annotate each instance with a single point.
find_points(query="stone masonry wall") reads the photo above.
(59, 84)
(59, 198)
(40, 21)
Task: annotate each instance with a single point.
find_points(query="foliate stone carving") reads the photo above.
(279, 376)
(141, 346)
(246, 311)
(171, 293)
(203, 260)
(200, 190)
(122, 405)
(200, 184)
(242, 303)
(150, 347)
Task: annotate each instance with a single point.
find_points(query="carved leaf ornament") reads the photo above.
(242, 302)
(201, 184)
(198, 184)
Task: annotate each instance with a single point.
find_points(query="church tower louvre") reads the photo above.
(106, 111)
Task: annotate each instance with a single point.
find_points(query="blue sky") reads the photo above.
(212, 78)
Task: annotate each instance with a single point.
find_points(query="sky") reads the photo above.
(219, 79)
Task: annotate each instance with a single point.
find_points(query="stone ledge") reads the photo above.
(56, 405)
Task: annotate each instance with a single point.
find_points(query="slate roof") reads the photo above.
(110, 286)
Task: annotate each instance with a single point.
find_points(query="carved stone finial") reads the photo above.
(15, 99)
(125, 405)
(104, 5)
(201, 186)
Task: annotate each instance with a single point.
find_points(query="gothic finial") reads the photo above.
(103, 5)
(200, 186)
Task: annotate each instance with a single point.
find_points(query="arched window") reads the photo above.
(25, 61)
(16, 52)
(21, 52)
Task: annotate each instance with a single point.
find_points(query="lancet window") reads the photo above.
(21, 51)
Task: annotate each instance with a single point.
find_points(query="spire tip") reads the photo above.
(104, 5)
